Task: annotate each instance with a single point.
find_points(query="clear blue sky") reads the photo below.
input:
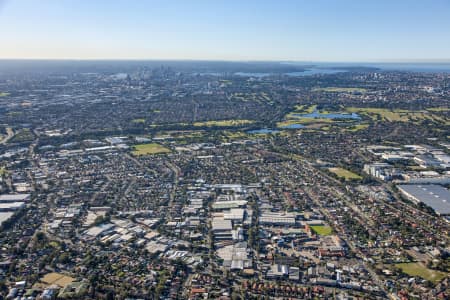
(303, 30)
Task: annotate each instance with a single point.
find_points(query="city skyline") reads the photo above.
(323, 31)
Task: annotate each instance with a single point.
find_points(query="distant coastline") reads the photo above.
(250, 68)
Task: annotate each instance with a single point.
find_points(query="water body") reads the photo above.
(333, 68)
(293, 126)
(263, 131)
(315, 72)
(316, 114)
(426, 67)
(414, 67)
(246, 74)
(308, 72)
(208, 73)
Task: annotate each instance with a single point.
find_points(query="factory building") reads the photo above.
(435, 196)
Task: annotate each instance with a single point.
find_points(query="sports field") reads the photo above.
(223, 123)
(56, 278)
(321, 229)
(340, 90)
(343, 173)
(398, 115)
(358, 127)
(149, 149)
(418, 269)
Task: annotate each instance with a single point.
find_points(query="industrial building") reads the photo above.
(14, 198)
(10, 203)
(435, 196)
(274, 219)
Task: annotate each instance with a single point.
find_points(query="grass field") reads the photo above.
(149, 149)
(141, 120)
(305, 109)
(235, 135)
(223, 123)
(14, 113)
(397, 115)
(340, 90)
(289, 122)
(321, 229)
(296, 117)
(375, 114)
(22, 135)
(358, 127)
(418, 269)
(345, 174)
(187, 134)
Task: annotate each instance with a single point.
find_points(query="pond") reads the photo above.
(263, 131)
(293, 126)
(316, 114)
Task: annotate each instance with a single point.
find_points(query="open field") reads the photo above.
(305, 109)
(358, 127)
(186, 134)
(141, 120)
(2, 171)
(340, 90)
(321, 229)
(235, 135)
(223, 123)
(305, 115)
(182, 136)
(22, 135)
(418, 269)
(56, 278)
(345, 174)
(148, 149)
(288, 123)
(438, 109)
(397, 115)
(305, 120)
(14, 113)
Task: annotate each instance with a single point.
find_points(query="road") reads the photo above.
(176, 174)
(9, 135)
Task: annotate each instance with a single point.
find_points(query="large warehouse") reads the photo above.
(10, 203)
(435, 196)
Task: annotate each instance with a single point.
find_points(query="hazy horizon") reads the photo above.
(412, 61)
(301, 31)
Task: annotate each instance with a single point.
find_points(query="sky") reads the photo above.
(297, 30)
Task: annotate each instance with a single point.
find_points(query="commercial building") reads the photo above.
(383, 171)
